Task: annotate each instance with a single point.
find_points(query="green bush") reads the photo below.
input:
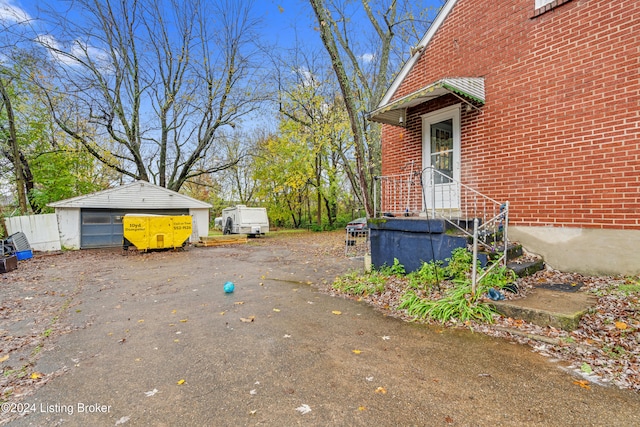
(498, 278)
(429, 274)
(458, 264)
(396, 269)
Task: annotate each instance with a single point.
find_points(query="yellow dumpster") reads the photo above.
(155, 231)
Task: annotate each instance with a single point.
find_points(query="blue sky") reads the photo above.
(283, 19)
(286, 24)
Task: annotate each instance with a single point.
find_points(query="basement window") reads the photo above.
(540, 3)
(542, 6)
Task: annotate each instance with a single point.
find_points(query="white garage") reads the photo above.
(95, 220)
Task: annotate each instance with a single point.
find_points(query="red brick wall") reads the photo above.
(559, 135)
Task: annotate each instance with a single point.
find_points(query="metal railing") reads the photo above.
(434, 194)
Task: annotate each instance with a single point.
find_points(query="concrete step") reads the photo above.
(527, 268)
(548, 307)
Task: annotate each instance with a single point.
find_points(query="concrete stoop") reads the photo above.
(546, 307)
(528, 268)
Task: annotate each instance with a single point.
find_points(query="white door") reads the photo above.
(441, 152)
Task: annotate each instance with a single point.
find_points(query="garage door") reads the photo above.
(102, 228)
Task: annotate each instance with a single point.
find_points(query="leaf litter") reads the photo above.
(607, 339)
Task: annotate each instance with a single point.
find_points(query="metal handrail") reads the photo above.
(418, 193)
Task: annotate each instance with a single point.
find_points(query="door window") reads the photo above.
(442, 150)
(441, 158)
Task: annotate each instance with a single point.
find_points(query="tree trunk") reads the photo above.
(15, 149)
(351, 104)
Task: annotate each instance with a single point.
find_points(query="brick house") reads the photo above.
(536, 102)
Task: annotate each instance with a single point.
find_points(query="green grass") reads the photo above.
(456, 304)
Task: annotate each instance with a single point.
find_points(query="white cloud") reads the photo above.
(367, 57)
(78, 50)
(308, 79)
(54, 48)
(9, 12)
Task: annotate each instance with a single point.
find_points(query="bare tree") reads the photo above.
(156, 82)
(363, 77)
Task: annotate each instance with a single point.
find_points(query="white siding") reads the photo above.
(137, 195)
(200, 223)
(69, 226)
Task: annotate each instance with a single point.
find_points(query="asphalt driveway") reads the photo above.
(152, 339)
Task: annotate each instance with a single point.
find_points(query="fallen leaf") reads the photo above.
(361, 408)
(586, 368)
(36, 375)
(583, 383)
(141, 321)
(122, 420)
(176, 340)
(222, 313)
(4, 358)
(239, 302)
(621, 325)
(174, 311)
(277, 310)
(448, 420)
(181, 382)
(336, 312)
(381, 390)
(356, 351)
(150, 393)
(247, 320)
(184, 320)
(303, 409)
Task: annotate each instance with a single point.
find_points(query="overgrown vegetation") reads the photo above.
(434, 291)
(457, 303)
(369, 283)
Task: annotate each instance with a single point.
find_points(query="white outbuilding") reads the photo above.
(95, 220)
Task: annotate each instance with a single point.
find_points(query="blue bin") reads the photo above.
(22, 255)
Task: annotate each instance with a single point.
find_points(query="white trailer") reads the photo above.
(241, 219)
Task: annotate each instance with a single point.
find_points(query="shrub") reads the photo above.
(429, 274)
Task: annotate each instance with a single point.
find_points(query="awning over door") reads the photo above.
(466, 88)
